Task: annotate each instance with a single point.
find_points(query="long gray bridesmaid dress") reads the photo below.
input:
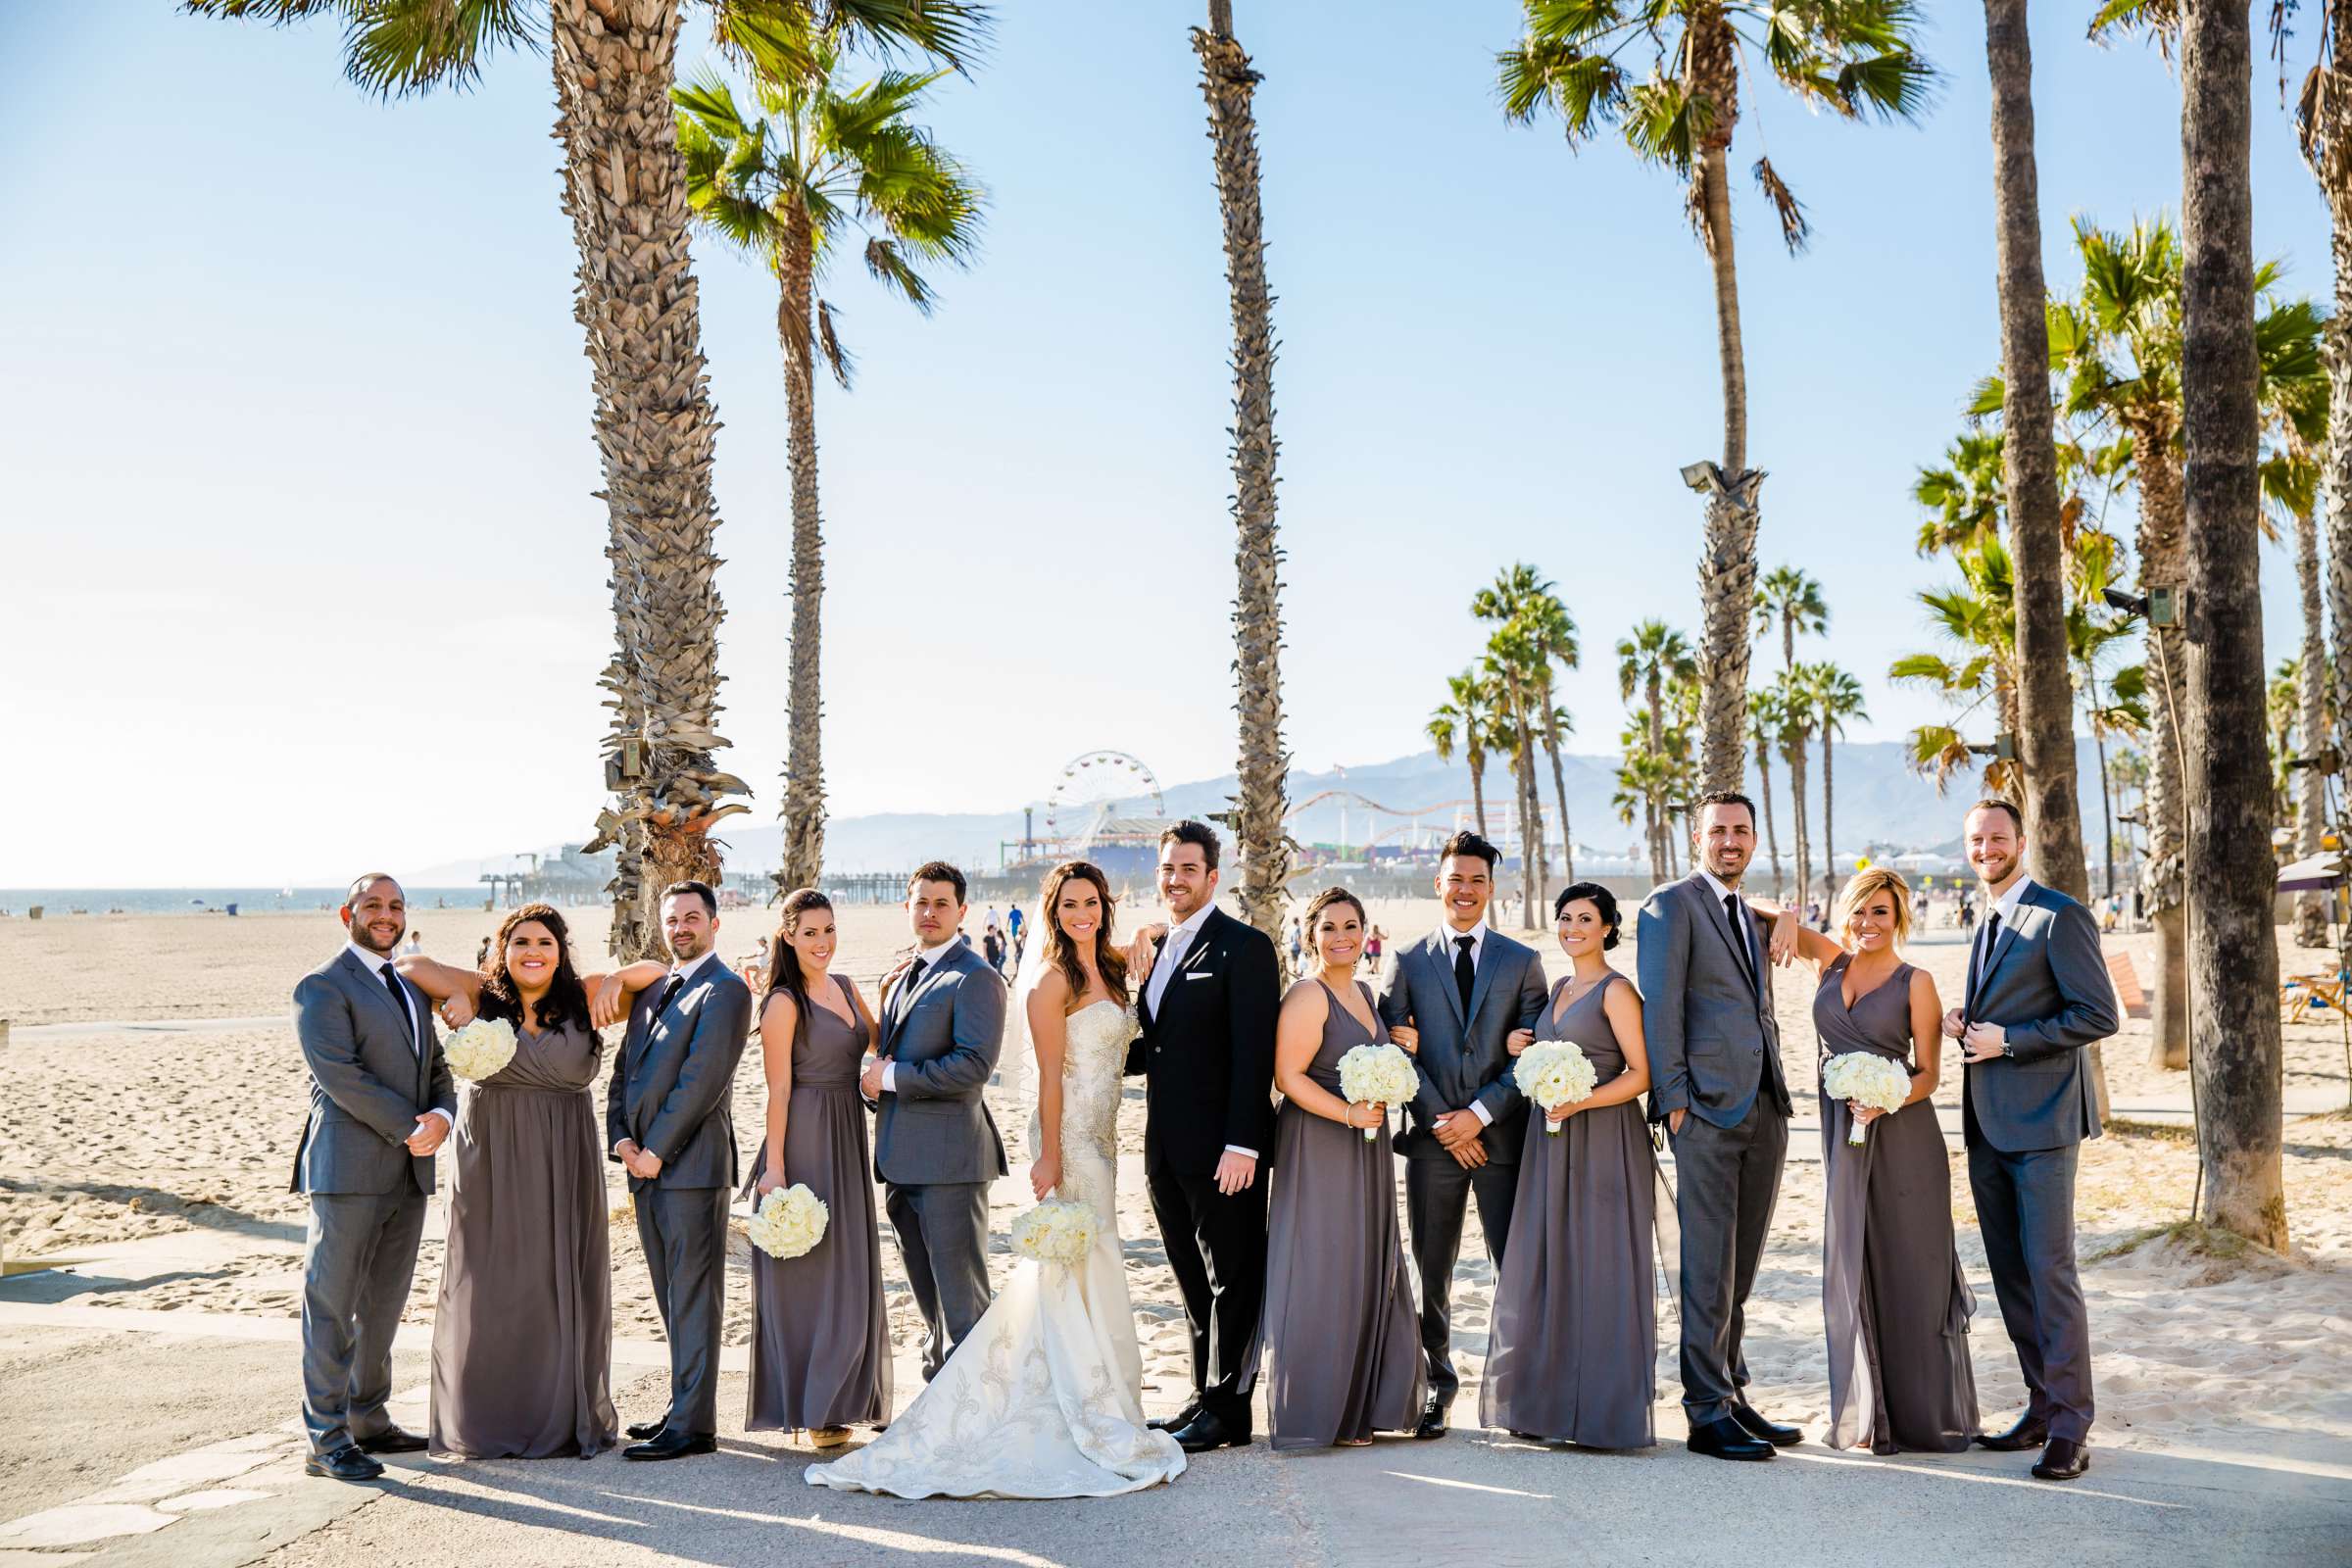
(522, 1337)
(1339, 1329)
(1893, 1297)
(820, 1343)
(1573, 1356)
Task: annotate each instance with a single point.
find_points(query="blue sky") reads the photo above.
(306, 569)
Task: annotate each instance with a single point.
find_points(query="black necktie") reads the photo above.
(1465, 975)
(1979, 959)
(915, 977)
(400, 999)
(1748, 960)
(669, 994)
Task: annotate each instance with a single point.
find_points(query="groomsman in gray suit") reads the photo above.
(1715, 1064)
(2037, 992)
(381, 1103)
(669, 1120)
(936, 1147)
(1458, 995)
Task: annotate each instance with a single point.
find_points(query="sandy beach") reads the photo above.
(119, 1133)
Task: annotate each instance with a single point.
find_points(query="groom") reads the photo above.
(668, 1118)
(1715, 1059)
(1207, 1053)
(1465, 990)
(936, 1147)
(381, 1103)
(2037, 993)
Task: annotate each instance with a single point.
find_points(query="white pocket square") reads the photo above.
(1200, 977)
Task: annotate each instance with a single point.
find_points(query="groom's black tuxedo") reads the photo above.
(1207, 1053)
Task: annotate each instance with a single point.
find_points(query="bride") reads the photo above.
(1044, 1397)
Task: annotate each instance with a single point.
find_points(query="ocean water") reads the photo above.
(57, 903)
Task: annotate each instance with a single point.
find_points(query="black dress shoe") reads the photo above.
(1752, 1422)
(2030, 1432)
(1208, 1431)
(1177, 1422)
(670, 1445)
(2063, 1461)
(1726, 1438)
(346, 1463)
(1433, 1421)
(640, 1431)
(392, 1439)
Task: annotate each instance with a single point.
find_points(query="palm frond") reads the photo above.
(837, 358)
(393, 48)
(1795, 230)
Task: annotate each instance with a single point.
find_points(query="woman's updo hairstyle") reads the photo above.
(1600, 899)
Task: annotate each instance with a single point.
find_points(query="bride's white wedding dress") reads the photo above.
(1044, 1399)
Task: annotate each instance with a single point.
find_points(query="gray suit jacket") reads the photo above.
(673, 1079)
(2046, 983)
(942, 1041)
(367, 1083)
(1464, 1060)
(1713, 1041)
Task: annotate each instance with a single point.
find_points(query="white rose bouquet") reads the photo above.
(481, 1050)
(789, 1222)
(1058, 1230)
(1553, 1073)
(1867, 1079)
(1378, 1075)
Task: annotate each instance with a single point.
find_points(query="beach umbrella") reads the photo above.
(2312, 874)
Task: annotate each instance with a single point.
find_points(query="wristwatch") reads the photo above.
(2009, 1051)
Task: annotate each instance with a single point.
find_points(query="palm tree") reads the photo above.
(1228, 83)
(2282, 714)
(788, 186)
(2236, 1032)
(1654, 658)
(1466, 720)
(1789, 599)
(2045, 729)
(638, 306)
(1510, 665)
(1763, 732)
(1792, 703)
(1522, 598)
(1851, 57)
(2295, 412)
(1837, 696)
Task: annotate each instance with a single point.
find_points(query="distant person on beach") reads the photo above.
(1013, 926)
(414, 945)
(382, 1102)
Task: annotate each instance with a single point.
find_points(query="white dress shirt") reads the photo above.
(2004, 909)
(375, 964)
(929, 957)
(1747, 928)
(1478, 945)
(1179, 942)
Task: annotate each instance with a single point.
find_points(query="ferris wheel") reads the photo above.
(1091, 785)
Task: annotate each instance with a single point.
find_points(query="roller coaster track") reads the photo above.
(1368, 801)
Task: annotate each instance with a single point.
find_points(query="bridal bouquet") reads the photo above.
(1867, 1079)
(481, 1050)
(1378, 1075)
(1552, 1074)
(788, 1222)
(1056, 1231)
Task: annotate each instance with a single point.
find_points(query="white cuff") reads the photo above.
(447, 1121)
(1485, 1118)
(1236, 1149)
(890, 1077)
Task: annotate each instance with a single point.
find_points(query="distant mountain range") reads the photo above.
(1882, 805)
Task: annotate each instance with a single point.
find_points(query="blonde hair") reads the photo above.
(1868, 881)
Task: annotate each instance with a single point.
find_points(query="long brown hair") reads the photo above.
(566, 998)
(1063, 952)
(783, 959)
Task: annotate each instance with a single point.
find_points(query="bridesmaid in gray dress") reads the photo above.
(1574, 1351)
(820, 1342)
(1893, 1297)
(1339, 1330)
(523, 1334)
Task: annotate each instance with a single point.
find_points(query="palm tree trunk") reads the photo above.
(1532, 877)
(2163, 874)
(804, 768)
(1829, 840)
(1559, 785)
(2311, 804)
(2333, 116)
(1227, 83)
(2107, 854)
(2045, 735)
(1477, 787)
(2235, 1023)
(1805, 841)
(1727, 563)
(1772, 840)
